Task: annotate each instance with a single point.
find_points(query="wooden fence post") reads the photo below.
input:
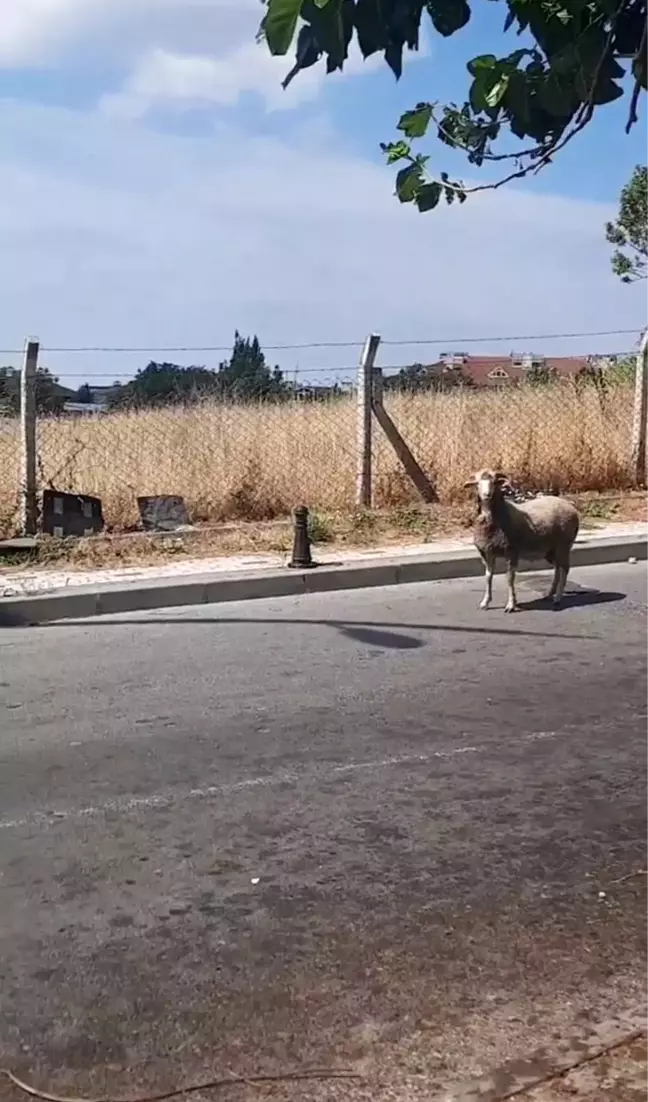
(640, 414)
(28, 498)
(363, 421)
(412, 469)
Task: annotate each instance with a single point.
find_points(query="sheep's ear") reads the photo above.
(472, 482)
(500, 476)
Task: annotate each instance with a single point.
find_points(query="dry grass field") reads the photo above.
(255, 463)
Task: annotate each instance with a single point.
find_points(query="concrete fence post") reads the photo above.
(363, 421)
(28, 490)
(412, 468)
(640, 414)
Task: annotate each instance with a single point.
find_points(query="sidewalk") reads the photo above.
(30, 581)
(29, 596)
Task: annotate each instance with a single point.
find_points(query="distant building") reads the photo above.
(508, 369)
(83, 409)
(99, 403)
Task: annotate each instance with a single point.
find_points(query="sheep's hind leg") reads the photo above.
(551, 559)
(511, 604)
(489, 565)
(551, 595)
(562, 571)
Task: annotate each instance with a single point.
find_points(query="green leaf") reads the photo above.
(477, 95)
(629, 28)
(415, 123)
(556, 95)
(370, 29)
(481, 64)
(639, 70)
(394, 58)
(497, 91)
(395, 151)
(331, 28)
(448, 16)
(408, 182)
(427, 196)
(280, 23)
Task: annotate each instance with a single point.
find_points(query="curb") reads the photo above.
(87, 601)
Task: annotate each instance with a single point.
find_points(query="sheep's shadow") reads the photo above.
(572, 598)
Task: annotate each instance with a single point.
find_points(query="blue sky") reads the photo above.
(158, 188)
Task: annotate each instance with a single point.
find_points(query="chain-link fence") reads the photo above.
(228, 460)
(255, 459)
(564, 437)
(10, 473)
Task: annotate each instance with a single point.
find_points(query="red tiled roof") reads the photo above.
(480, 368)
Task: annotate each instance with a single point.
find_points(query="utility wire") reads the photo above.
(456, 341)
(345, 372)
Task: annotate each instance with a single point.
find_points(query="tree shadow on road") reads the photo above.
(377, 637)
(372, 633)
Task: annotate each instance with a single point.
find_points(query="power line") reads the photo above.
(190, 348)
(456, 341)
(347, 370)
(302, 371)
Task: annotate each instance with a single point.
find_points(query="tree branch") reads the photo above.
(533, 151)
(583, 116)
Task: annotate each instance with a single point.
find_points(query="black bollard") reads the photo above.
(301, 556)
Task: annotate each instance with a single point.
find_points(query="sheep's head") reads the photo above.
(489, 485)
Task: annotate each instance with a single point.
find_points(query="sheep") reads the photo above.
(544, 527)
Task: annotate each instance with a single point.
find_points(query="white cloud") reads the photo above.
(113, 234)
(29, 29)
(177, 54)
(165, 79)
(46, 32)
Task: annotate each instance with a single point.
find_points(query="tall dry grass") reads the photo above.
(257, 462)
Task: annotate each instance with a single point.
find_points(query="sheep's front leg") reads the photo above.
(511, 604)
(489, 566)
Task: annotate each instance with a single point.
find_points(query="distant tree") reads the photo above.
(50, 396)
(111, 395)
(162, 384)
(418, 378)
(8, 393)
(630, 231)
(540, 375)
(620, 372)
(623, 371)
(246, 375)
(83, 394)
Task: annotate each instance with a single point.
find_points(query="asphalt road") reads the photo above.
(368, 829)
